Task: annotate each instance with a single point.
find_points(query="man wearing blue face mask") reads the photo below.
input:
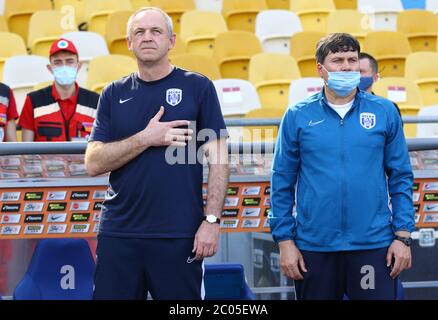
(62, 111)
(369, 74)
(345, 153)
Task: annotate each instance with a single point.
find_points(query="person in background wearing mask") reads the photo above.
(62, 111)
(369, 74)
(8, 114)
(345, 151)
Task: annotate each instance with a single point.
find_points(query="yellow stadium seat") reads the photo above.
(422, 67)
(262, 133)
(278, 4)
(97, 11)
(75, 7)
(233, 59)
(11, 44)
(421, 28)
(105, 69)
(390, 49)
(241, 14)
(115, 32)
(175, 9)
(303, 48)
(199, 29)
(18, 13)
(349, 21)
(45, 27)
(346, 4)
(3, 24)
(313, 13)
(406, 94)
(138, 4)
(272, 73)
(179, 48)
(197, 63)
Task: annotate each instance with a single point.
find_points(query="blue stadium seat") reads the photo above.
(414, 4)
(226, 282)
(60, 269)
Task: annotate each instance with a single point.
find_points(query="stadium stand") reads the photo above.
(199, 29)
(11, 44)
(209, 5)
(237, 97)
(420, 26)
(197, 63)
(175, 9)
(45, 27)
(313, 13)
(382, 14)
(233, 60)
(390, 49)
(349, 21)
(405, 93)
(346, 4)
(278, 4)
(22, 73)
(72, 6)
(303, 88)
(99, 75)
(18, 13)
(179, 48)
(422, 68)
(272, 73)
(241, 14)
(115, 32)
(97, 11)
(432, 5)
(3, 24)
(302, 48)
(274, 29)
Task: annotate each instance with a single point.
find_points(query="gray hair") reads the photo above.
(169, 22)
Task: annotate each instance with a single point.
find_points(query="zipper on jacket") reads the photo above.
(343, 183)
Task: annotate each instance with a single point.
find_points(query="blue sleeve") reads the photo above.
(400, 176)
(210, 119)
(285, 169)
(101, 126)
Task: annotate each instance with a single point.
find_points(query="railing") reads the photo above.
(23, 148)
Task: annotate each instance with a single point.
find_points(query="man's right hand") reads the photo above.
(158, 134)
(291, 260)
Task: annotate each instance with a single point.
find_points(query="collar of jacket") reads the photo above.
(324, 103)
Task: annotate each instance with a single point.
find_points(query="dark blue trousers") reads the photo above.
(359, 275)
(128, 268)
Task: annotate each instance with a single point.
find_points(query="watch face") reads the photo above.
(211, 219)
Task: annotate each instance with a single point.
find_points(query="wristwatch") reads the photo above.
(406, 240)
(211, 218)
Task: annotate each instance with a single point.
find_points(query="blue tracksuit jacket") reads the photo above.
(343, 171)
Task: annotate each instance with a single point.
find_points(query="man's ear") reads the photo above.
(376, 77)
(320, 70)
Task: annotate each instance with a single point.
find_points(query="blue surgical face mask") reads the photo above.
(65, 75)
(343, 82)
(365, 83)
